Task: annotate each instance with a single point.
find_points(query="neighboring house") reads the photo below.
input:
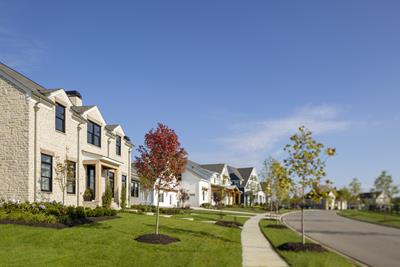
(140, 195)
(328, 202)
(250, 185)
(197, 181)
(374, 200)
(221, 181)
(40, 127)
(135, 189)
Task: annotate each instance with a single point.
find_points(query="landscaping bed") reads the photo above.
(233, 224)
(157, 239)
(53, 215)
(288, 244)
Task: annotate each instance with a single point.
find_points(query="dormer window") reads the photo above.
(118, 145)
(94, 134)
(60, 118)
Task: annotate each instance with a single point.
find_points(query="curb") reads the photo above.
(350, 258)
(375, 223)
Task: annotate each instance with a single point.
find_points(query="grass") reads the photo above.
(299, 259)
(110, 243)
(213, 216)
(373, 217)
(247, 209)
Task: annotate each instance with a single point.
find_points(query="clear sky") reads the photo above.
(233, 78)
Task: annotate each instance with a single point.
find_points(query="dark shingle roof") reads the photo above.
(81, 109)
(245, 172)
(234, 174)
(111, 127)
(214, 167)
(368, 195)
(198, 169)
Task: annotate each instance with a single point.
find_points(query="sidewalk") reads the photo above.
(257, 251)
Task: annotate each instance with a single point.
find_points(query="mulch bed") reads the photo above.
(157, 239)
(277, 226)
(231, 224)
(61, 225)
(297, 247)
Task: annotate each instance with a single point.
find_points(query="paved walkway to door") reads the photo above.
(257, 251)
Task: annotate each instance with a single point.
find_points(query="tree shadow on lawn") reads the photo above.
(193, 233)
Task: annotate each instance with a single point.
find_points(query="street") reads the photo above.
(371, 244)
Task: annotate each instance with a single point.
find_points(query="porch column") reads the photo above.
(117, 193)
(98, 182)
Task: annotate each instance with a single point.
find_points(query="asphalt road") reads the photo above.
(371, 244)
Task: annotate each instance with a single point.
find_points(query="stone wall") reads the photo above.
(14, 142)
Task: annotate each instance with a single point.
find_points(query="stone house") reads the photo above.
(42, 127)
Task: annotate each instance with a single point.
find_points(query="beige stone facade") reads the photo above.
(28, 131)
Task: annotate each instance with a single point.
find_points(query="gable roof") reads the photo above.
(111, 127)
(218, 168)
(245, 172)
(234, 174)
(198, 170)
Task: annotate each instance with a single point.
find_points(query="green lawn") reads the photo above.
(213, 216)
(110, 243)
(373, 216)
(299, 259)
(247, 209)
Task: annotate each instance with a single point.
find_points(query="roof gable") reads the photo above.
(218, 168)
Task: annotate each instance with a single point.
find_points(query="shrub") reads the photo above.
(123, 197)
(206, 205)
(107, 196)
(88, 195)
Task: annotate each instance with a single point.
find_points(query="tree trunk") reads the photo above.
(303, 237)
(158, 211)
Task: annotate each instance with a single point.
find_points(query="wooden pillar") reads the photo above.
(98, 182)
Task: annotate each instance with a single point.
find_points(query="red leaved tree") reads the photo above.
(161, 161)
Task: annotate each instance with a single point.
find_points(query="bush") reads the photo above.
(107, 196)
(88, 195)
(206, 205)
(123, 197)
(171, 211)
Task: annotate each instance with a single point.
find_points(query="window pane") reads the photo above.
(90, 127)
(46, 158)
(46, 170)
(59, 124)
(45, 185)
(96, 140)
(97, 130)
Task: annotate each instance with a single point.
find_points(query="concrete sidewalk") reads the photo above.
(226, 211)
(257, 251)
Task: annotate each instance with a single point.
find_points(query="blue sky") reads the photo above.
(233, 78)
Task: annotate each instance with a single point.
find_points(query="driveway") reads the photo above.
(371, 244)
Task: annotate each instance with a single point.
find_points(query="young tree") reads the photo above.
(218, 196)
(280, 184)
(384, 183)
(183, 196)
(343, 194)
(266, 184)
(355, 190)
(161, 161)
(305, 161)
(65, 176)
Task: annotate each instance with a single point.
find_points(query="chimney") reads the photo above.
(75, 97)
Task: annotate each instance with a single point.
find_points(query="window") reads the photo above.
(91, 179)
(118, 145)
(46, 181)
(161, 196)
(170, 199)
(204, 195)
(94, 134)
(123, 181)
(134, 188)
(71, 179)
(60, 118)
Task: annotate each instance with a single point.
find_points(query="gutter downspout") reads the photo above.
(79, 127)
(35, 168)
(128, 183)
